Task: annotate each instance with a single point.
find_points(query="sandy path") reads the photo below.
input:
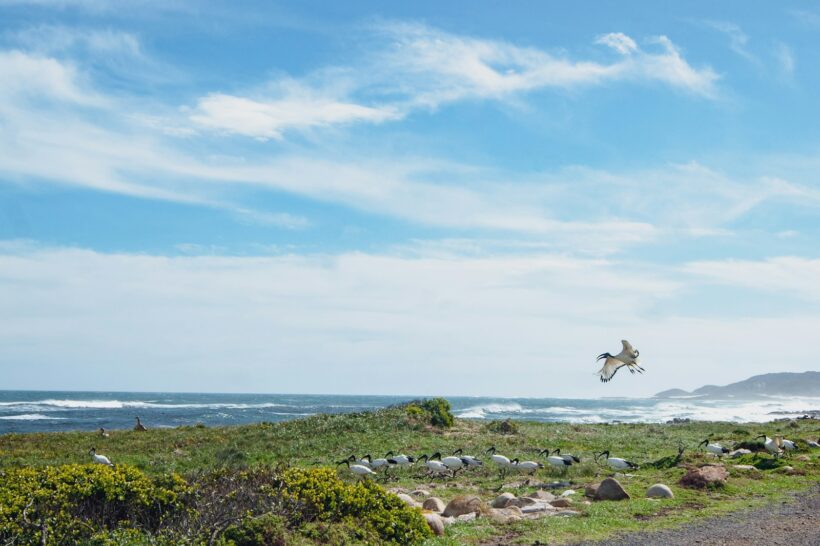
(795, 523)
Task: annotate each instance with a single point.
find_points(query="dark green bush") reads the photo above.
(502, 427)
(435, 411)
(265, 530)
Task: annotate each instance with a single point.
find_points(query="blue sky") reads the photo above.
(466, 198)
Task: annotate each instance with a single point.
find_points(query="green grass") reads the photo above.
(329, 438)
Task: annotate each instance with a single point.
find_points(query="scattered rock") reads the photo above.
(514, 510)
(397, 490)
(435, 523)
(659, 491)
(521, 502)
(745, 467)
(709, 475)
(408, 500)
(561, 503)
(462, 505)
(610, 489)
(590, 490)
(804, 458)
(790, 471)
(568, 493)
(448, 521)
(467, 517)
(421, 493)
(536, 508)
(541, 495)
(505, 515)
(433, 503)
(740, 453)
(502, 500)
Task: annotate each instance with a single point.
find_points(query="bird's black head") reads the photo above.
(491, 451)
(459, 451)
(423, 457)
(345, 462)
(703, 443)
(389, 454)
(544, 453)
(436, 455)
(514, 461)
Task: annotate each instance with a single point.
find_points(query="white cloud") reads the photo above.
(29, 77)
(289, 323)
(423, 67)
(269, 118)
(785, 58)
(786, 274)
(618, 41)
(442, 67)
(738, 40)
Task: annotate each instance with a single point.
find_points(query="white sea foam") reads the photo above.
(119, 404)
(30, 417)
(480, 411)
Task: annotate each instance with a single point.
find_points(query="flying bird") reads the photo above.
(627, 357)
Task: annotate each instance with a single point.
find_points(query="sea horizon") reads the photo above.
(23, 411)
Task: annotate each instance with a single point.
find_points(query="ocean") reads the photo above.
(33, 411)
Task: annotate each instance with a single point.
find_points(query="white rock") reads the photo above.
(568, 493)
(660, 491)
(502, 500)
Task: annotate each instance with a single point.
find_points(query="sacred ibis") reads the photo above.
(627, 357)
(358, 469)
(714, 448)
(616, 463)
(530, 467)
(99, 459)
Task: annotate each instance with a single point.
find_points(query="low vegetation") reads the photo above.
(279, 483)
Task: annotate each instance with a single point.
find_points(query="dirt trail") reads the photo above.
(795, 522)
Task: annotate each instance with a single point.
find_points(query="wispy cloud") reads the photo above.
(785, 58)
(738, 40)
(266, 118)
(418, 66)
(787, 274)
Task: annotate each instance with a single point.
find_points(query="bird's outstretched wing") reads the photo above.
(610, 368)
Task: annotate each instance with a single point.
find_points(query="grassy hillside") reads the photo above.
(325, 439)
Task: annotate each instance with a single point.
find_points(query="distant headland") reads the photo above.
(770, 384)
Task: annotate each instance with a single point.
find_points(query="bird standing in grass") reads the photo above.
(502, 462)
(99, 459)
(139, 427)
(771, 445)
(616, 463)
(714, 448)
(530, 467)
(357, 469)
(627, 357)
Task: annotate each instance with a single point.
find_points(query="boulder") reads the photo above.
(421, 493)
(591, 489)
(610, 489)
(705, 476)
(504, 515)
(467, 517)
(541, 495)
(740, 453)
(521, 502)
(502, 500)
(433, 503)
(561, 503)
(659, 491)
(536, 508)
(408, 500)
(462, 505)
(435, 523)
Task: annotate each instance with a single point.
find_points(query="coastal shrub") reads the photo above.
(439, 410)
(70, 503)
(502, 427)
(267, 530)
(378, 515)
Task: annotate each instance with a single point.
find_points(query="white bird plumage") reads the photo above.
(627, 357)
(771, 445)
(714, 448)
(359, 470)
(529, 467)
(99, 459)
(616, 463)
